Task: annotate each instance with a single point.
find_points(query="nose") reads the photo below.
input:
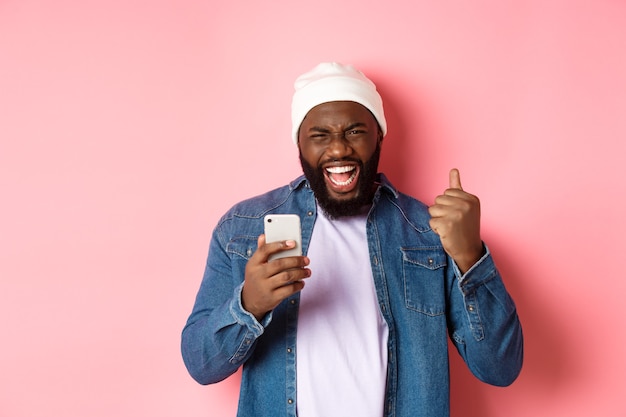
(339, 146)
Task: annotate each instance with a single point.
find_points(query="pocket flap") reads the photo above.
(243, 246)
(430, 257)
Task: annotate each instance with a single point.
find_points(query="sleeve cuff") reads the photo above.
(245, 318)
(475, 268)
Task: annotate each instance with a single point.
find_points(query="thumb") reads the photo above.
(455, 179)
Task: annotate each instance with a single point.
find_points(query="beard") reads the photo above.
(335, 208)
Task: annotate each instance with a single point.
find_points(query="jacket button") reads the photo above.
(290, 401)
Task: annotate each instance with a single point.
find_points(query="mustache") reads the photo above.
(335, 160)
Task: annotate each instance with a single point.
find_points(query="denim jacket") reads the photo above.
(421, 294)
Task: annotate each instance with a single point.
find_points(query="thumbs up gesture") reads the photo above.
(455, 217)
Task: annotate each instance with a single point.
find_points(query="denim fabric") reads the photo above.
(421, 295)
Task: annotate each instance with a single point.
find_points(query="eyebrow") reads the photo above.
(326, 130)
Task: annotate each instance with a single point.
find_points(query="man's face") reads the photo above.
(339, 146)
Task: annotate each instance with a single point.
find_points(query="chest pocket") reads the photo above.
(242, 247)
(424, 279)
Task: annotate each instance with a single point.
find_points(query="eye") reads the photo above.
(355, 132)
(318, 137)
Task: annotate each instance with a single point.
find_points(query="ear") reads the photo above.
(380, 135)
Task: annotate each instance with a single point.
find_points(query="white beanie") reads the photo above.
(332, 81)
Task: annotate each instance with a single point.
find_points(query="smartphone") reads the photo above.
(283, 227)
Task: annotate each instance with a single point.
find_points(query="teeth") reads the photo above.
(340, 170)
(342, 183)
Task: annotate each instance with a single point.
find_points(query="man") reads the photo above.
(358, 325)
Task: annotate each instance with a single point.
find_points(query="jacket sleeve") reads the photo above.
(484, 325)
(220, 335)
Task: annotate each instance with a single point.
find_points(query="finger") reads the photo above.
(288, 289)
(290, 276)
(446, 202)
(433, 226)
(265, 250)
(437, 210)
(455, 179)
(289, 262)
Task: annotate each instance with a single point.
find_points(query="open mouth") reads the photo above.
(341, 178)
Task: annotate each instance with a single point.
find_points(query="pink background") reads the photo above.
(128, 127)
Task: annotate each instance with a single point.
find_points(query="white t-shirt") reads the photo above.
(342, 337)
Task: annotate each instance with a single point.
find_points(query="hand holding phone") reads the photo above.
(267, 285)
